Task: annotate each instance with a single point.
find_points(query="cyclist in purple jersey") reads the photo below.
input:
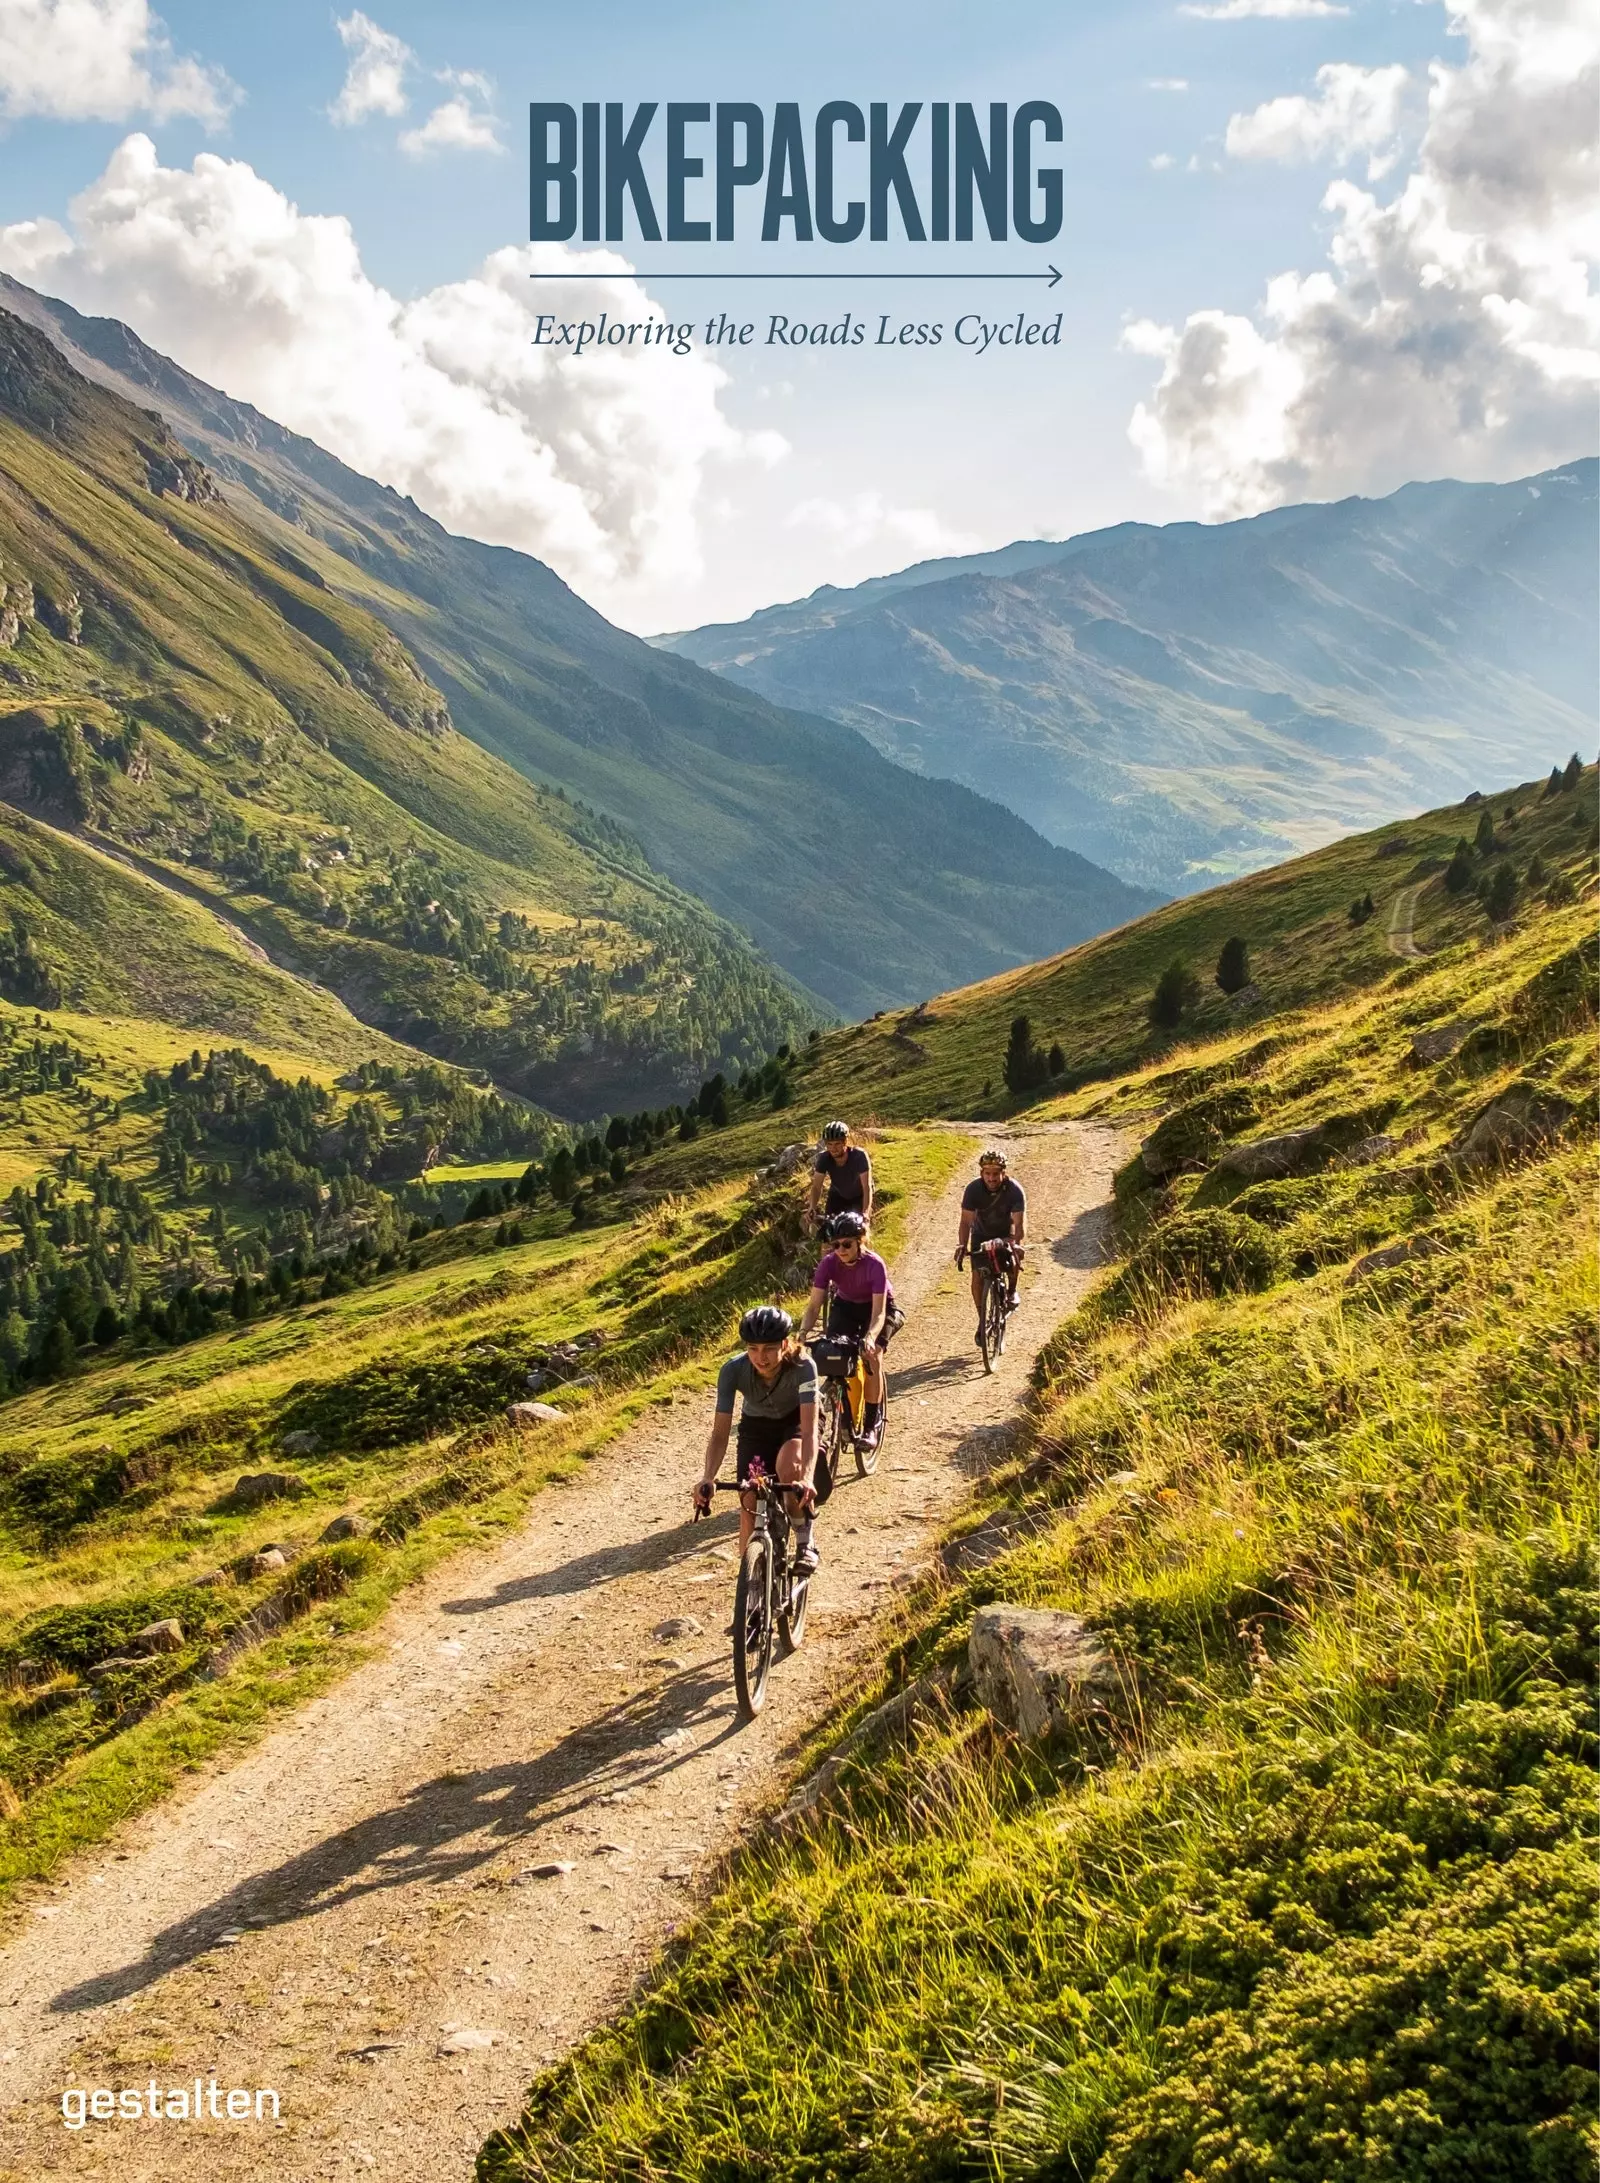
(862, 1307)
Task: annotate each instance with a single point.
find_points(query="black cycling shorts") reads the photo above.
(849, 1322)
(759, 1440)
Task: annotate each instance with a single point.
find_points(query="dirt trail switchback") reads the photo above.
(351, 1912)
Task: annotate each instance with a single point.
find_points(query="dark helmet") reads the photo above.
(836, 1133)
(765, 1323)
(843, 1227)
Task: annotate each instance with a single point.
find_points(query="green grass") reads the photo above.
(1312, 1899)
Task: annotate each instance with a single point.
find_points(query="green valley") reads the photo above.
(867, 883)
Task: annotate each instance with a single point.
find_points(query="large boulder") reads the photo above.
(256, 1488)
(1520, 1121)
(306, 1443)
(158, 1637)
(528, 1414)
(1039, 1670)
(1269, 1159)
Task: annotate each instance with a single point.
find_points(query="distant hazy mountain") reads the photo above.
(1186, 701)
(867, 882)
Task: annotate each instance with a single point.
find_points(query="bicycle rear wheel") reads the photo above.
(867, 1457)
(752, 1626)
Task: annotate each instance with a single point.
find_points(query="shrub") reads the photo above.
(1176, 989)
(1192, 1135)
(1361, 909)
(1057, 1060)
(1212, 1252)
(1233, 966)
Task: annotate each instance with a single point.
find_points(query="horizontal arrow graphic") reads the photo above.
(1050, 277)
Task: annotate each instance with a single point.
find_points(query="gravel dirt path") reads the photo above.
(453, 1865)
(1402, 917)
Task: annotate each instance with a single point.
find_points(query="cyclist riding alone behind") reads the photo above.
(994, 1209)
(862, 1309)
(775, 1383)
(841, 1181)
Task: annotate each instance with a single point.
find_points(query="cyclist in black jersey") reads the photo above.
(993, 1209)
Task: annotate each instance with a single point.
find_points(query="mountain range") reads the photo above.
(865, 882)
(1188, 701)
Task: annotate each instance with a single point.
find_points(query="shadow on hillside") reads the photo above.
(444, 1830)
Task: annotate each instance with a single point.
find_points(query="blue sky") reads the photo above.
(1187, 190)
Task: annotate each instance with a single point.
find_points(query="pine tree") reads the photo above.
(1501, 896)
(1025, 1067)
(1233, 966)
(1176, 990)
(1458, 877)
(1573, 773)
(1484, 840)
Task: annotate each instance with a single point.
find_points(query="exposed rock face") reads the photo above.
(1438, 1044)
(885, 1724)
(1268, 1159)
(1039, 1670)
(269, 1560)
(527, 1414)
(299, 1444)
(158, 1637)
(1520, 1121)
(1396, 1254)
(1370, 1149)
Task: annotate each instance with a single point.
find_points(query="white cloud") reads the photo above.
(866, 520)
(1168, 83)
(595, 463)
(101, 60)
(375, 75)
(1162, 161)
(1455, 330)
(1355, 110)
(1238, 11)
(460, 124)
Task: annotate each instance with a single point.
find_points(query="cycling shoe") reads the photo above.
(807, 1562)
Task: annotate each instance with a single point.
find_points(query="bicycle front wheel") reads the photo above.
(792, 1613)
(752, 1626)
(995, 1305)
(830, 1440)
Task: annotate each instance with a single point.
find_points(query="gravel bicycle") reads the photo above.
(998, 1263)
(841, 1401)
(771, 1595)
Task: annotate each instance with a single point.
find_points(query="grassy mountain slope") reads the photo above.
(1190, 701)
(175, 684)
(757, 811)
(1308, 1892)
(1303, 949)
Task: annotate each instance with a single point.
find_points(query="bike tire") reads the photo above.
(867, 1457)
(752, 1626)
(792, 1614)
(994, 1344)
(829, 1439)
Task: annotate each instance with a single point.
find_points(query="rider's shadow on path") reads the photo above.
(442, 1830)
(657, 1551)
